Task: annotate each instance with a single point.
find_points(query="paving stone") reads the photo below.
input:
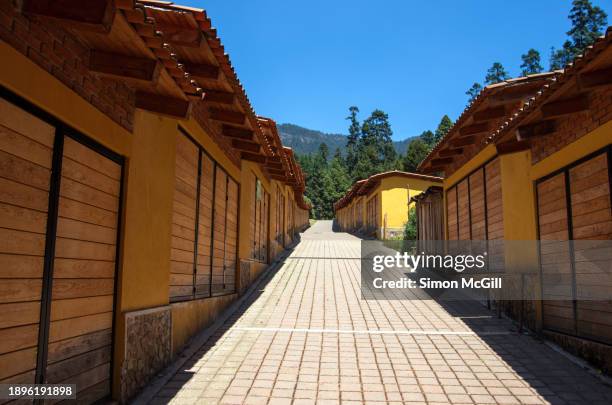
(317, 290)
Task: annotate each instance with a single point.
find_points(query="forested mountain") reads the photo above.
(306, 141)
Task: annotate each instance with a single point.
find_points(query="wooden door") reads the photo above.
(574, 205)
(81, 323)
(59, 217)
(26, 150)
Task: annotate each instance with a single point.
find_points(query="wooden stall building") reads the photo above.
(139, 192)
(530, 159)
(379, 205)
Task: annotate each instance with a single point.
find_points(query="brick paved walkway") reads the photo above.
(308, 338)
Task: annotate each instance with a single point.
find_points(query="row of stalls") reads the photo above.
(139, 193)
(531, 159)
(379, 205)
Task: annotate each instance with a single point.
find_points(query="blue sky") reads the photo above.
(306, 62)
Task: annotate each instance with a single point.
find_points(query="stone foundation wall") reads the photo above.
(148, 347)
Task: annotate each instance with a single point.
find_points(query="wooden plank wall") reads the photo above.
(209, 270)
(592, 220)
(82, 281)
(26, 148)
(451, 213)
(231, 237)
(205, 226)
(495, 214)
(80, 345)
(183, 219)
(463, 205)
(477, 206)
(260, 222)
(575, 279)
(555, 261)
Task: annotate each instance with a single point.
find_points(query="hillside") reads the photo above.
(305, 141)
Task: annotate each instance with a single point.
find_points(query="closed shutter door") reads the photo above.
(451, 214)
(495, 219)
(591, 220)
(183, 219)
(26, 149)
(555, 260)
(205, 227)
(80, 334)
(463, 205)
(231, 237)
(58, 273)
(477, 205)
(219, 231)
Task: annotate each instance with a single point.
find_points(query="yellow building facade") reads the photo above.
(379, 205)
(136, 204)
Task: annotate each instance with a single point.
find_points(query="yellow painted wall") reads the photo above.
(395, 192)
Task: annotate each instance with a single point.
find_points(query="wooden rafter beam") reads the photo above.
(450, 152)
(441, 161)
(505, 148)
(246, 146)
(474, 129)
(490, 113)
(463, 141)
(274, 166)
(536, 129)
(181, 36)
(124, 67)
(96, 15)
(233, 117)
(174, 107)
(276, 172)
(221, 97)
(432, 169)
(595, 78)
(516, 92)
(566, 106)
(235, 132)
(202, 70)
(253, 157)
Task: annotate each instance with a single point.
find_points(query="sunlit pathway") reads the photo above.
(308, 338)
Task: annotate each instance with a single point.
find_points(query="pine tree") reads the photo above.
(353, 137)
(428, 137)
(417, 151)
(473, 92)
(443, 127)
(324, 151)
(496, 74)
(376, 131)
(559, 58)
(531, 63)
(588, 23)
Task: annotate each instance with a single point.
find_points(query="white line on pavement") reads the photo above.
(372, 332)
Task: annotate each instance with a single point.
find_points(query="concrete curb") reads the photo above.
(157, 383)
